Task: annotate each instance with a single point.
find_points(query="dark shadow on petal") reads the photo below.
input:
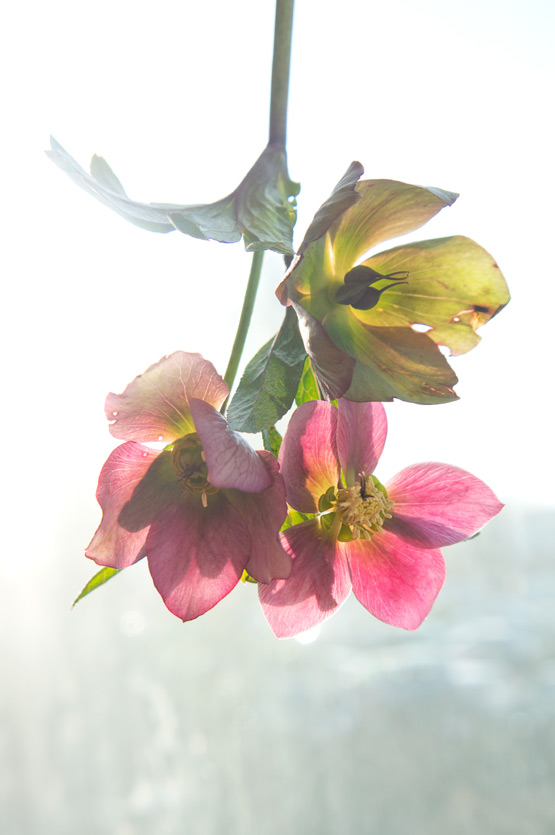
(156, 491)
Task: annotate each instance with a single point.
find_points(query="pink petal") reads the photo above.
(396, 582)
(112, 545)
(155, 406)
(361, 433)
(196, 555)
(308, 456)
(157, 490)
(437, 505)
(318, 584)
(231, 461)
(263, 514)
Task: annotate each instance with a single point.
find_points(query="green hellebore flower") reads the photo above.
(372, 327)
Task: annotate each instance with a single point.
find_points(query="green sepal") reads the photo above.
(345, 534)
(271, 379)
(95, 582)
(308, 387)
(295, 517)
(327, 500)
(272, 440)
(377, 483)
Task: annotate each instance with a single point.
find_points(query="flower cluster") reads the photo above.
(207, 507)
(311, 522)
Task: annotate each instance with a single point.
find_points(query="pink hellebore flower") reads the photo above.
(383, 542)
(204, 508)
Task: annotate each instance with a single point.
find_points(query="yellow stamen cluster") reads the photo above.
(188, 460)
(363, 507)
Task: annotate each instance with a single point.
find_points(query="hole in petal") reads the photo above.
(420, 328)
(114, 414)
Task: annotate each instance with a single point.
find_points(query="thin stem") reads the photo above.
(244, 321)
(280, 71)
(278, 135)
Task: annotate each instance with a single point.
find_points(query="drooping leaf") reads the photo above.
(95, 582)
(268, 386)
(308, 387)
(261, 209)
(272, 440)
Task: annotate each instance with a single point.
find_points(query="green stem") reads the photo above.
(280, 71)
(278, 135)
(245, 320)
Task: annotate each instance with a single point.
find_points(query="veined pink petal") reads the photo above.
(263, 514)
(155, 406)
(113, 545)
(308, 456)
(318, 584)
(437, 505)
(361, 433)
(230, 460)
(196, 554)
(396, 582)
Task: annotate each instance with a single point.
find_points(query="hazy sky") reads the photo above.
(175, 97)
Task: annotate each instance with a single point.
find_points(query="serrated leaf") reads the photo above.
(308, 387)
(95, 582)
(268, 386)
(272, 440)
(261, 210)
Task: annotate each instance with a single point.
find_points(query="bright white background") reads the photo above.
(175, 96)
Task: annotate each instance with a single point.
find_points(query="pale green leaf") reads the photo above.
(95, 582)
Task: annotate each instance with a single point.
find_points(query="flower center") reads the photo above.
(188, 461)
(357, 290)
(358, 511)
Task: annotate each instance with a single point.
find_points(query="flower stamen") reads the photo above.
(363, 507)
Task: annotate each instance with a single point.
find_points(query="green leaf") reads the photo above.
(99, 579)
(308, 387)
(268, 386)
(272, 440)
(262, 209)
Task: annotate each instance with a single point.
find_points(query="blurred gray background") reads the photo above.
(116, 718)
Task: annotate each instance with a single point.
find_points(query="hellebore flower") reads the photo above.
(372, 329)
(203, 509)
(383, 542)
